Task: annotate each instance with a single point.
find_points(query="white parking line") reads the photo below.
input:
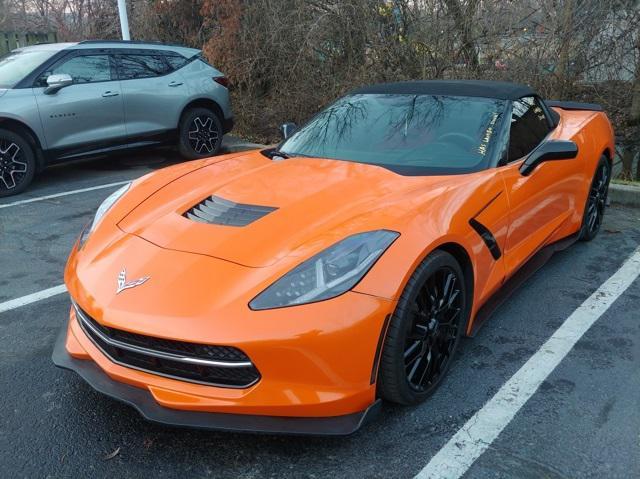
(32, 298)
(475, 437)
(64, 193)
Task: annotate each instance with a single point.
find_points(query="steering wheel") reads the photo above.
(457, 138)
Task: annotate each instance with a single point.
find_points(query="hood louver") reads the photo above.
(218, 211)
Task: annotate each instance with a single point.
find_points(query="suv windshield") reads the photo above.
(15, 66)
(409, 134)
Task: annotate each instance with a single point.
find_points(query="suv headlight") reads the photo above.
(329, 273)
(102, 209)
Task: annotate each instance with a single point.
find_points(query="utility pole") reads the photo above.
(124, 20)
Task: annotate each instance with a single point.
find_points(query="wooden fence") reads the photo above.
(12, 40)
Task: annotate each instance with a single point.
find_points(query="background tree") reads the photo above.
(288, 58)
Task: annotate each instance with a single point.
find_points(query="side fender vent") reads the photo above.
(218, 211)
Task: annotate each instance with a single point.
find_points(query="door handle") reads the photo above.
(175, 83)
(109, 93)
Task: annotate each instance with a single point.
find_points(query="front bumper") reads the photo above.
(144, 403)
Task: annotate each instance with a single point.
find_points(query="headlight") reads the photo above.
(102, 209)
(327, 274)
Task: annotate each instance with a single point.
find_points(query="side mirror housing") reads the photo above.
(549, 151)
(287, 130)
(55, 83)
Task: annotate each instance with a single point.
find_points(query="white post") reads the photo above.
(124, 20)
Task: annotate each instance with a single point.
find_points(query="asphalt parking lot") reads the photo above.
(583, 421)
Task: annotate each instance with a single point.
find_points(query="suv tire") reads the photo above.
(17, 163)
(200, 133)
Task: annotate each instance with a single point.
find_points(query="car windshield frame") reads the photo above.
(482, 148)
(16, 75)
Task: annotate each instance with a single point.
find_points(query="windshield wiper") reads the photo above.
(273, 152)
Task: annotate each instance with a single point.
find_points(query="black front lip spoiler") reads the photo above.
(154, 412)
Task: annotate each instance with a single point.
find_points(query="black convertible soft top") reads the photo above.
(478, 88)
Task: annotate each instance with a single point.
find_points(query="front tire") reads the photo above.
(17, 163)
(200, 133)
(596, 201)
(424, 331)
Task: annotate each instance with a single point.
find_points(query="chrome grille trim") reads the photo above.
(150, 352)
(85, 324)
(218, 211)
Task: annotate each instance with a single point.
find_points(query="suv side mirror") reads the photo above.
(55, 83)
(287, 130)
(549, 151)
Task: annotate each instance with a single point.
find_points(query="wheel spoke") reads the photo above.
(411, 349)
(415, 367)
(428, 368)
(12, 151)
(7, 185)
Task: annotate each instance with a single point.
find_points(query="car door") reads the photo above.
(87, 115)
(541, 203)
(154, 94)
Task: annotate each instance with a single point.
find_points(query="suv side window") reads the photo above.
(176, 61)
(132, 66)
(529, 126)
(83, 69)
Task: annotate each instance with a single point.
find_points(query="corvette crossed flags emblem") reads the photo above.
(124, 284)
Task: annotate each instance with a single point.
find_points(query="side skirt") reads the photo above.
(534, 263)
(105, 148)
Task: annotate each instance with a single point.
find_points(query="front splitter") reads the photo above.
(144, 403)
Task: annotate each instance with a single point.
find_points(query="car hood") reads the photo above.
(303, 205)
(3, 91)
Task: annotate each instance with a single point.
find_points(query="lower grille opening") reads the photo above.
(223, 366)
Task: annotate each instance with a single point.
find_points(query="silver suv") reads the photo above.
(65, 101)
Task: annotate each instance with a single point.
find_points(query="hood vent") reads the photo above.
(218, 211)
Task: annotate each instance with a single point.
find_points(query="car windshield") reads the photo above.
(15, 66)
(407, 133)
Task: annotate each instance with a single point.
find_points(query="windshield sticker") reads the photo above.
(482, 148)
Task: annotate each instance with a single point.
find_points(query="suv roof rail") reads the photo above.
(132, 42)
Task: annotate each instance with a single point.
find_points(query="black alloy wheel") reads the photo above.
(596, 201)
(424, 331)
(434, 329)
(17, 163)
(200, 134)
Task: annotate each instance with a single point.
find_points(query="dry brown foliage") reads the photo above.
(288, 58)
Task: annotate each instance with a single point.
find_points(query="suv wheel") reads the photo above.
(200, 133)
(17, 163)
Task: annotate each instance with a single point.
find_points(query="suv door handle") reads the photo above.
(110, 93)
(175, 83)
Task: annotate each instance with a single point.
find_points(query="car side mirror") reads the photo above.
(549, 151)
(55, 83)
(287, 130)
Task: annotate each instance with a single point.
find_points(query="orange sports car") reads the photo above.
(291, 289)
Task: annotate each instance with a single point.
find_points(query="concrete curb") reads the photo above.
(241, 147)
(233, 144)
(627, 195)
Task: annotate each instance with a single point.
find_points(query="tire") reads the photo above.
(17, 163)
(419, 316)
(200, 133)
(596, 201)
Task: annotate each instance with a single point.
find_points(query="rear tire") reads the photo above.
(424, 331)
(596, 201)
(200, 133)
(17, 163)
